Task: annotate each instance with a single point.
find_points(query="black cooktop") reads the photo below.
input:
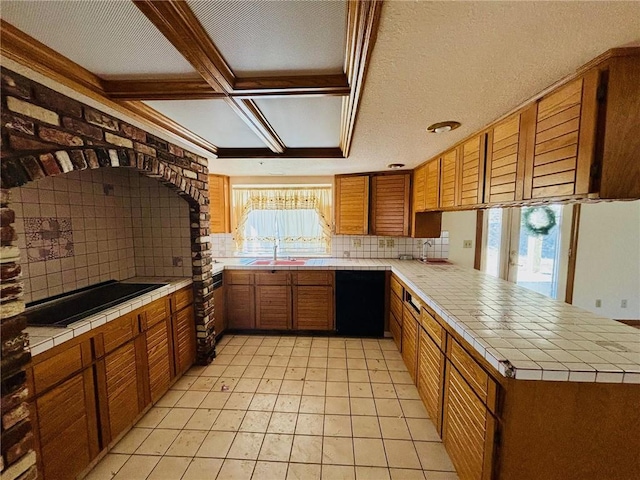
(63, 310)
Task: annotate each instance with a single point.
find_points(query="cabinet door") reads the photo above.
(431, 378)
(219, 310)
(352, 205)
(410, 342)
(159, 358)
(123, 391)
(240, 306)
(555, 155)
(472, 172)
(419, 188)
(395, 327)
(449, 176)
(273, 307)
(67, 427)
(503, 161)
(219, 204)
(184, 339)
(432, 185)
(313, 308)
(390, 199)
(468, 429)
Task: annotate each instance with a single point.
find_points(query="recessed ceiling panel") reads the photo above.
(304, 121)
(269, 37)
(213, 120)
(112, 38)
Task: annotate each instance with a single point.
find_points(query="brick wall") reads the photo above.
(44, 134)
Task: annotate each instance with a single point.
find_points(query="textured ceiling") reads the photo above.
(465, 61)
(304, 121)
(213, 120)
(259, 37)
(112, 38)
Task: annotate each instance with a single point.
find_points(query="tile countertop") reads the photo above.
(521, 333)
(44, 338)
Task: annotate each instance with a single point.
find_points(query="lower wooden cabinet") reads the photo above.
(468, 429)
(410, 341)
(67, 427)
(430, 381)
(395, 327)
(313, 307)
(220, 309)
(184, 339)
(241, 306)
(273, 307)
(159, 361)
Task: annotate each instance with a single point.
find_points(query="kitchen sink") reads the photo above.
(290, 263)
(436, 261)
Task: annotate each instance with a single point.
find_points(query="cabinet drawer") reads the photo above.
(313, 278)
(433, 328)
(275, 277)
(238, 277)
(181, 299)
(396, 306)
(396, 287)
(155, 312)
(59, 367)
(473, 373)
(119, 331)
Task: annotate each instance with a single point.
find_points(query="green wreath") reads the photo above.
(538, 221)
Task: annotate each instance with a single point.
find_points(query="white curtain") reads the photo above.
(295, 219)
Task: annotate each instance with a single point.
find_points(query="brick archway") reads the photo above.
(44, 134)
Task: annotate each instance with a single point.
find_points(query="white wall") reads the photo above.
(608, 259)
(461, 226)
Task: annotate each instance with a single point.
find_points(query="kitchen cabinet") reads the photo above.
(449, 181)
(410, 339)
(87, 391)
(390, 204)
(219, 204)
(432, 185)
(395, 311)
(431, 367)
(220, 309)
(273, 300)
(419, 188)
(505, 161)
(240, 299)
(471, 176)
(313, 300)
(352, 204)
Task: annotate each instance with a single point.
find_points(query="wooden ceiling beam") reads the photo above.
(25, 50)
(177, 22)
(291, 85)
(160, 89)
(249, 112)
(363, 18)
(312, 152)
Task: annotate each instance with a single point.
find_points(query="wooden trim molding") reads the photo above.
(25, 50)
(573, 253)
(174, 89)
(363, 18)
(177, 22)
(313, 152)
(291, 85)
(249, 112)
(477, 260)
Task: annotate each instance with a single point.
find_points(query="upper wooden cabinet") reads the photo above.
(219, 204)
(352, 204)
(449, 181)
(432, 185)
(419, 187)
(505, 155)
(471, 191)
(390, 207)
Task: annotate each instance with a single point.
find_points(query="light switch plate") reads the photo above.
(390, 242)
(381, 243)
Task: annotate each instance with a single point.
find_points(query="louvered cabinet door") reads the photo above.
(313, 307)
(390, 199)
(472, 172)
(419, 188)
(240, 306)
(448, 182)
(555, 156)
(273, 307)
(122, 388)
(432, 185)
(159, 359)
(431, 378)
(395, 327)
(468, 429)
(67, 427)
(184, 339)
(219, 207)
(352, 205)
(410, 342)
(503, 161)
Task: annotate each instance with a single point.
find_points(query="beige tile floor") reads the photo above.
(295, 408)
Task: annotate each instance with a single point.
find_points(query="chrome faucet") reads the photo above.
(275, 252)
(428, 243)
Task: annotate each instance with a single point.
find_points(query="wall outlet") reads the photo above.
(346, 254)
(356, 242)
(177, 261)
(598, 303)
(467, 243)
(390, 242)
(381, 243)
(623, 303)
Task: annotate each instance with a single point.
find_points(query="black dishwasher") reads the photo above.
(360, 303)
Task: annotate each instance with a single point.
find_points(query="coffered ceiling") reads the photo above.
(273, 87)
